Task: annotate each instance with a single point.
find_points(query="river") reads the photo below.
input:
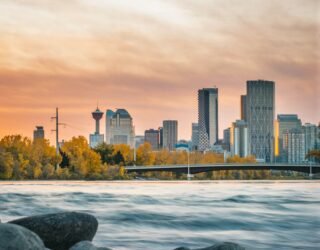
(165, 215)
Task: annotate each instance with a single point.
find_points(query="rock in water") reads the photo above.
(18, 238)
(83, 245)
(224, 246)
(87, 245)
(60, 231)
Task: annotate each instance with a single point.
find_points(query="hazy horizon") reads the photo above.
(151, 57)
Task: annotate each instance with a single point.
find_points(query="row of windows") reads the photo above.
(264, 108)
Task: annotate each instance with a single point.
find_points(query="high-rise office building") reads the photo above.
(310, 131)
(121, 129)
(139, 140)
(195, 136)
(226, 139)
(207, 117)
(109, 114)
(170, 134)
(260, 119)
(318, 137)
(160, 137)
(38, 133)
(283, 124)
(239, 138)
(96, 138)
(294, 145)
(152, 136)
(243, 108)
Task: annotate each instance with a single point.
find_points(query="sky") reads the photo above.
(151, 57)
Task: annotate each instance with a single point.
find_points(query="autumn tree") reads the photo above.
(145, 155)
(6, 164)
(83, 160)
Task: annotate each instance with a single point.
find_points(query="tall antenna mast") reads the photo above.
(56, 118)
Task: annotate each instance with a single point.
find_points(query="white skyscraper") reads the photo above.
(121, 129)
(283, 124)
(207, 117)
(109, 114)
(294, 145)
(310, 131)
(239, 138)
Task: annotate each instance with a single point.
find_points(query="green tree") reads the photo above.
(106, 153)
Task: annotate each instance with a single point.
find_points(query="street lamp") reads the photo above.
(189, 175)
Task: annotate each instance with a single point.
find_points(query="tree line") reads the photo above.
(24, 159)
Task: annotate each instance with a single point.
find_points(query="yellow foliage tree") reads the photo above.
(82, 159)
(145, 155)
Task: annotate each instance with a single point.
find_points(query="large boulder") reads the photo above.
(60, 231)
(18, 238)
(87, 245)
(224, 246)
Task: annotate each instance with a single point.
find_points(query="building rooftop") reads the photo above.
(122, 113)
(287, 117)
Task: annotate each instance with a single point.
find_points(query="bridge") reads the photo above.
(200, 168)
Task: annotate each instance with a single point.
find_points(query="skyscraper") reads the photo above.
(195, 136)
(121, 129)
(96, 138)
(260, 119)
(310, 131)
(294, 145)
(226, 138)
(109, 114)
(239, 138)
(243, 108)
(160, 137)
(152, 136)
(170, 134)
(283, 124)
(38, 133)
(207, 117)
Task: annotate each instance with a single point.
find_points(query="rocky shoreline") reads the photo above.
(63, 231)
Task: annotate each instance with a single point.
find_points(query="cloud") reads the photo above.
(151, 57)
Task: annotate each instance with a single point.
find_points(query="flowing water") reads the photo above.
(165, 215)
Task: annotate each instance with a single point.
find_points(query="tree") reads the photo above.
(19, 147)
(313, 155)
(145, 156)
(83, 160)
(6, 164)
(106, 153)
(126, 153)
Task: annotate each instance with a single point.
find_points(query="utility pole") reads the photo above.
(56, 118)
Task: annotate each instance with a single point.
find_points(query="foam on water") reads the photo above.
(165, 215)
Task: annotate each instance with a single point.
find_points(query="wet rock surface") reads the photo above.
(14, 237)
(224, 246)
(61, 231)
(87, 245)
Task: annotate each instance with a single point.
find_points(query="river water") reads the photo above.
(165, 215)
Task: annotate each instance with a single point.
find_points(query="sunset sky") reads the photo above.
(151, 57)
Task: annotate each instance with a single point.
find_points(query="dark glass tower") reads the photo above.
(207, 117)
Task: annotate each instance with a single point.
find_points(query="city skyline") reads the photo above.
(136, 59)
